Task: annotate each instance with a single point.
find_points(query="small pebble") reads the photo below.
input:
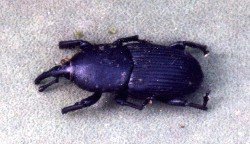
(41, 70)
(112, 30)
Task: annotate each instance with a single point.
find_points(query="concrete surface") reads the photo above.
(29, 34)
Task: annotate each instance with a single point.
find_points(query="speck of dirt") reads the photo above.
(63, 61)
(150, 102)
(182, 126)
(78, 34)
(112, 30)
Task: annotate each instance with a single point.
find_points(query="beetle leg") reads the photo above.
(178, 102)
(74, 43)
(122, 100)
(43, 87)
(135, 38)
(83, 103)
(199, 106)
(182, 44)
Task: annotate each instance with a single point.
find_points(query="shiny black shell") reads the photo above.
(162, 71)
(102, 68)
(141, 69)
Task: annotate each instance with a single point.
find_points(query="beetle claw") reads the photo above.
(206, 53)
(71, 108)
(41, 88)
(206, 99)
(208, 92)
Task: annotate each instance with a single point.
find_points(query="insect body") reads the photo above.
(130, 67)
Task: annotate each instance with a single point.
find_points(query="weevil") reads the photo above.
(131, 68)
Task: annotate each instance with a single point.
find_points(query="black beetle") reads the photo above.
(130, 67)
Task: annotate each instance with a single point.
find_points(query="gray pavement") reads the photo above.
(29, 35)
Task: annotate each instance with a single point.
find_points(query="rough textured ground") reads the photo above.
(29, 34)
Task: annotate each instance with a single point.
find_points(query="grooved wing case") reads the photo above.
(162, 71)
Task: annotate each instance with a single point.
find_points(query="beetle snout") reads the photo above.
(40, 78)
(56, 72)
(46, 74)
